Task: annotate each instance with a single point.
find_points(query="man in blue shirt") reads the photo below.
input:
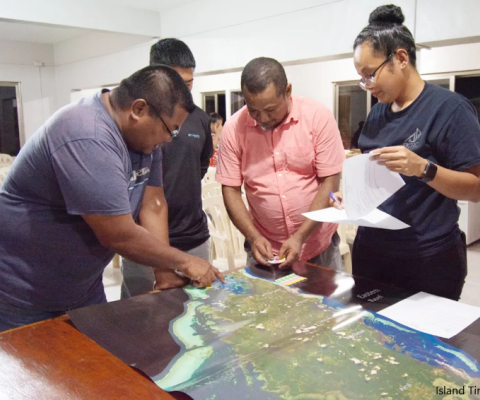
(73, 195)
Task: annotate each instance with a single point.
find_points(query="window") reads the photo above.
(352, 110)
(469, 86)
(237, 101)
(9, 119)
(215, 102)
(353, 104)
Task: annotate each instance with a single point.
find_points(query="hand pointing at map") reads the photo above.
(201, 272)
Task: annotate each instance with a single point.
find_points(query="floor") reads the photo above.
(112, 278)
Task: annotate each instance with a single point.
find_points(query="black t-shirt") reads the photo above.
(185, 162)
(440, 126)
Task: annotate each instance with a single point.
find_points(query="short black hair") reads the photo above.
(159, 85)
(172, 52)
(386, 32)
(214, 117)
(259, 73)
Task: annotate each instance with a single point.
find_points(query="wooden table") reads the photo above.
(53, 360)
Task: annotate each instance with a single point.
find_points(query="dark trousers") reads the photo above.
(442, 274)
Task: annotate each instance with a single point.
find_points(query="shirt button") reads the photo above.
(279, 174)
(288, 217)
(277, 153)
(283, 196)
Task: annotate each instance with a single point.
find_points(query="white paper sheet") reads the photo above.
(432, 314)
(374, 219)
(366, 185)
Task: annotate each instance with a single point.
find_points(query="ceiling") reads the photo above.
(37, 33)
(51, 34)
(154, 5)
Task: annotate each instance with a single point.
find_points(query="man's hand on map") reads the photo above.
(201, 272)
(168, 279)
(291, 250)
(261, 250)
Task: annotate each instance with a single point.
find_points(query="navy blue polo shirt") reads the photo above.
(440, 126)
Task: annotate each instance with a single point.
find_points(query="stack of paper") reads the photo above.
(365, 185)
(432, 314)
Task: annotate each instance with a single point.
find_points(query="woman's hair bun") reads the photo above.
(389, 14)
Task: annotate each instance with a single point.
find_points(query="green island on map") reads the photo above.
(253, 339)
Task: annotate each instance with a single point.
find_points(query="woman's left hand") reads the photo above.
(400, 159)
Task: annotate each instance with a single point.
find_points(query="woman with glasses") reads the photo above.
(430, 136)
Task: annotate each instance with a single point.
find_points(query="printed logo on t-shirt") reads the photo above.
(139, 172)
(194, 135)
(412, 142)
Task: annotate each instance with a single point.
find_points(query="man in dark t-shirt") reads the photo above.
(72, 195)
(185, 162)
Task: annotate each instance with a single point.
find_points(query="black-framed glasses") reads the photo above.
(370, 80)
(173, 133)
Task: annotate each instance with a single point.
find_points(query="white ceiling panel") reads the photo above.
(154, 5)
(37, 33)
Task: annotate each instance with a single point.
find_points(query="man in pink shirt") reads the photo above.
(288, 152)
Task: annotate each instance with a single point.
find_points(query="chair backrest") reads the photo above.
(215, 210)
(3, 173)
(221, 226)
(6, 160)
(210, 175)
(212, 189)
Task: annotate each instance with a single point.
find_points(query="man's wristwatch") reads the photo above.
(429, 173)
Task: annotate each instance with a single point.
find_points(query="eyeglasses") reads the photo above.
(370, 80)
(173, 133)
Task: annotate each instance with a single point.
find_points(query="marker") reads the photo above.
(332, 196)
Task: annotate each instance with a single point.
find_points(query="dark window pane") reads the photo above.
(9, 129)
(222, 107)
(209, 104)
(469, 86)
(237, 101)
(352, 112)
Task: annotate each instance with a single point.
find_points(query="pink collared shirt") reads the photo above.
(280, 169)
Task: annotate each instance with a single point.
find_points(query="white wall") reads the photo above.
(463, 57)
(313, 37)
(225, 34)
(37, 84)
(315, 80)
(101, 70)
(444, 21)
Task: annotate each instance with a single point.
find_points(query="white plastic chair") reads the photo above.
(344, 248)
(212, 189)
(227, 241)
(209, 176)
(3, 173)
(6, 160)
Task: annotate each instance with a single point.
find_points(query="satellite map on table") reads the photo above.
(256, 339)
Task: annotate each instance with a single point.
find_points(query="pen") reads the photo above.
(332, 196)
